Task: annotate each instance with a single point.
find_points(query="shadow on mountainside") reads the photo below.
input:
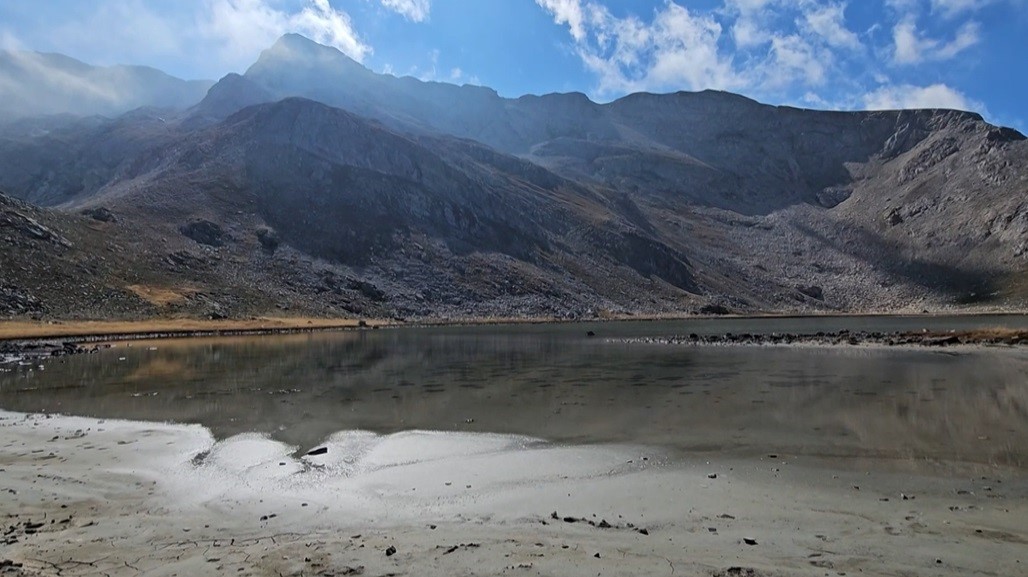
(964, 286)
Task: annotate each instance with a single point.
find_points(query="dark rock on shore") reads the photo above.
(848, 338)
(21, 351)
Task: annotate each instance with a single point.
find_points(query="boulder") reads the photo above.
(204, 232)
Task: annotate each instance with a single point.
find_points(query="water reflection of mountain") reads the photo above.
(907, 405)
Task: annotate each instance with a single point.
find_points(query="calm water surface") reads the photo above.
(553, 382)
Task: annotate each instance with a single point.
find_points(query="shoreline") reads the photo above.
(846, 339)
(23, 340)
(444, 503)
(95, 330)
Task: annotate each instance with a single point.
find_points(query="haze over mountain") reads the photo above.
(36, 84)
(313, 184)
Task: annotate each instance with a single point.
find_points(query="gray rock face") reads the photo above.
(425, 199)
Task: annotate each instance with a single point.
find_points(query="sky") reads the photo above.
(827, 54)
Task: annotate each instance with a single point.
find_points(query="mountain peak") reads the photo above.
(298, 48)
(293, 41)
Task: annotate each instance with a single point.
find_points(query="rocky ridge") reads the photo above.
(312, 185)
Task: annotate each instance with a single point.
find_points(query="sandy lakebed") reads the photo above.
(821, 479)
(93, 497)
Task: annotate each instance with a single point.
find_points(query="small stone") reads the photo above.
(390, 551)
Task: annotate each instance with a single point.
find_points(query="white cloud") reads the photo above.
(748, 33)
(911, 48)
(676, 50)
(242, 28)
(797, 59)
(58, 81)
(413, 10)
(903, 6)
(950, 8)
(750, 26)
(8, 41)
(829, 22)
(567, 12)
(907, 96)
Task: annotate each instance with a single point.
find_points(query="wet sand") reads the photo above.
(84, 496)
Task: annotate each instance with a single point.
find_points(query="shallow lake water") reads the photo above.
(915, 407)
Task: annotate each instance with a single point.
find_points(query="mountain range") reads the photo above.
(313, 185)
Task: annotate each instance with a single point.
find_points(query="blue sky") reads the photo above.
(837, 54)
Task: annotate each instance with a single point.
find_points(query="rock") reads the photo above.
(812, 291)
(204, 232)
(318, 451)
(100, 213)
(833, 196)
(14, 301)
(738, 572)
(749, 541)
(893, 217)
(185, 259)
(714, 309)
(367, 289)
(390, 551)
(268, 238)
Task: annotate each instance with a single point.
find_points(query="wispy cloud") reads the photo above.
(798, 51)
(677, 49)
(110, 27)
(950, 8)
(680, 48)
(413, 10)
(907, 96)
(829, 22)
(912, 48)
(242, 28)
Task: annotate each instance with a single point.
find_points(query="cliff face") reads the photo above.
(311, 183)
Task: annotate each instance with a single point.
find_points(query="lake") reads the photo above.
(915, 408)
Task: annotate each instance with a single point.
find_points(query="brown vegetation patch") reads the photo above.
(159, 296)
(173, 327)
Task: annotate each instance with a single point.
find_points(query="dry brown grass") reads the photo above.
(54, 329)
(159, 296)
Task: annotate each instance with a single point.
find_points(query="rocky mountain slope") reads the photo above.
(383, 196)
